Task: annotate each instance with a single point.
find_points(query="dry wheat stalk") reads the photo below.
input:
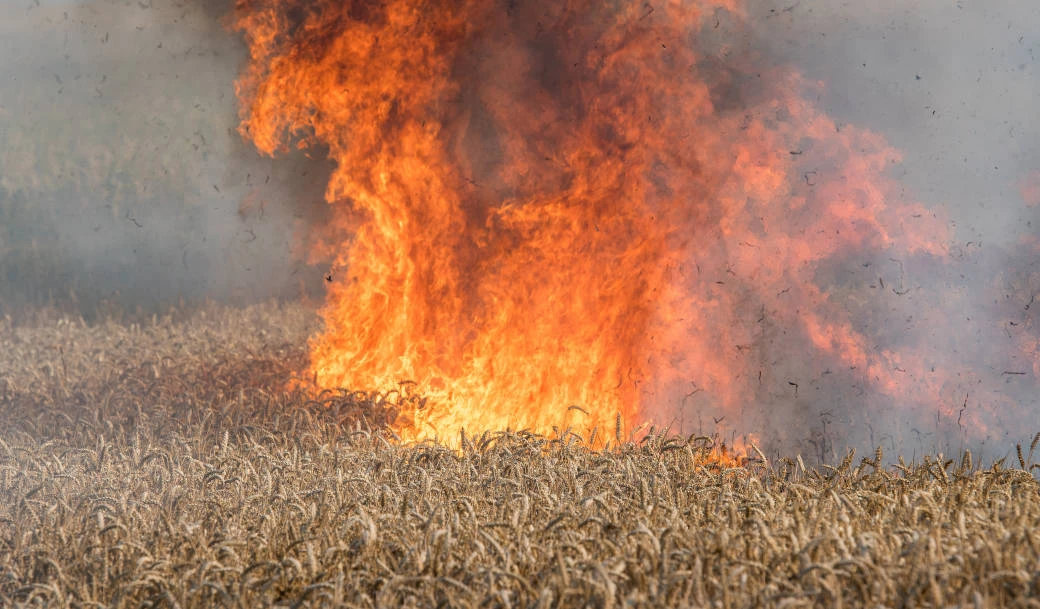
(170, 466)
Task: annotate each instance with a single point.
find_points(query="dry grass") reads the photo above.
(160, 465)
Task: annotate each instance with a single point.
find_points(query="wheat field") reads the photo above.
(163, 464)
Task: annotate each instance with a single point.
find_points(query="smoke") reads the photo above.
(952, 86)
(122, 177)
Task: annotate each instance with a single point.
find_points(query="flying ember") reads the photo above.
(554, 214)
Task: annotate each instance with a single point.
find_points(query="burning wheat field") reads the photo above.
(519, 303)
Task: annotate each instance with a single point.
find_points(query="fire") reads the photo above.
(563, 214)
(1030, 189)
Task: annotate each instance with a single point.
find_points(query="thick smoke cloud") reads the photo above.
(122, 177)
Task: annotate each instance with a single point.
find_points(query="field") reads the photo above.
(163, 464)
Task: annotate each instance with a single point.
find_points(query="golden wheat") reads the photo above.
(164, 464)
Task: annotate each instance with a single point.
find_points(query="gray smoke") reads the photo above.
(952, 85)
(122, 178)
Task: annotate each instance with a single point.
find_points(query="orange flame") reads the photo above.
(1029, 188)
(543, 205)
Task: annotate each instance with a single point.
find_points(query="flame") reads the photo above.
(560, 214)
(1029, 187)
